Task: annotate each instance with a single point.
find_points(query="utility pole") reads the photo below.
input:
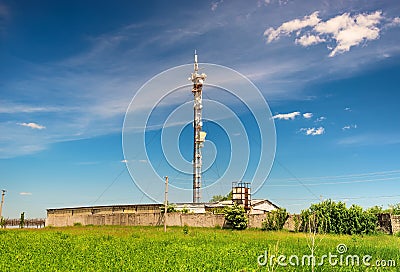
(3, 192)
(198, 135)
(166, 204)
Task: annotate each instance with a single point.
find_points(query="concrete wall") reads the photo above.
(147, 219)
(387, 223)
(291, 224)
(123, 219)
(395, 222)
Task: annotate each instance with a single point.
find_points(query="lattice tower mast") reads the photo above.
(198, 134)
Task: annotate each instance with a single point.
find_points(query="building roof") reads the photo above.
(258, 204)
(108, 206)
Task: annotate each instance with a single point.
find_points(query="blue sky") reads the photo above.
(69, 69)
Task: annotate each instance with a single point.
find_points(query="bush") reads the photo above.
(395, 209)
(218, 210)
(22, 220)
(185, 229)
(296, 220)
(275, 219)
(236, 217)
(170, 209)
(185, 210)
(331, 217)
(3, 222)
(218, 198)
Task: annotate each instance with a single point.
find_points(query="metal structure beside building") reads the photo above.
(241, 194)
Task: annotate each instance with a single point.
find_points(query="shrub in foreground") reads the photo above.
(236, 217)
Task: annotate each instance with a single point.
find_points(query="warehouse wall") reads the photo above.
(146, 219)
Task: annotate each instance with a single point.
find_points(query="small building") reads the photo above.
(255, 206)
(261, 206)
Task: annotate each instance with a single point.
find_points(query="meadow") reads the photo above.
(120, 248)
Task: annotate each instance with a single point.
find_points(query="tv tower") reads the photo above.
(198, 135)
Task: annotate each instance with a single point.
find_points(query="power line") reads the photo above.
(329, 182)
(297, 179)
(350, 197)
(382, 173)
(333, 183)
(109, 186)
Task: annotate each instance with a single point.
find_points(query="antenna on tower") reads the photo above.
(196, 65)
(198, 135)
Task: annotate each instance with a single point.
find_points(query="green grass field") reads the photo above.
(117, 248)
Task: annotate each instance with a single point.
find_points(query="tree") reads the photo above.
(275, 219)
(395, 209)
(375, 210)
(3, 222)
(22, 220)
(236, 217)
(332, 217)
(170, 208)
(218, 198)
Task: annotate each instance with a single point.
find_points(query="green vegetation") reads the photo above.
(22, 220)
(118, 248)
(184, 210)
(331, 217)
(275, 219)
(218, 210)
(218, 198)
(235, 216)
(394, 209)
(170, 208)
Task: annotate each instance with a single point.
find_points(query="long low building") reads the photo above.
(192, 214)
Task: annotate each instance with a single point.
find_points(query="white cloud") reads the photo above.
(32, 125)
(307, 115)
(320, 119)
(313, 131)
(291, 26)
(347, 109)
(214, 5)
(286, 116)
(10, 107)
(124, 161)
(307, 40)
(25, 193)
(334, 25)
(394, 22)
(347, 127)
(356, 29)
(344, 31)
